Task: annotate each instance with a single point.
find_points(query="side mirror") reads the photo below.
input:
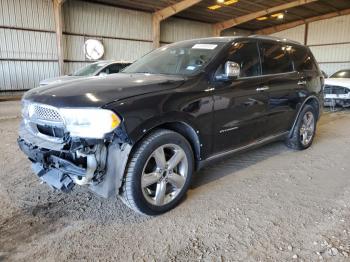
(232, 71)
(103, 74)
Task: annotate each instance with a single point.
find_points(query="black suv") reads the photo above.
(142, 133)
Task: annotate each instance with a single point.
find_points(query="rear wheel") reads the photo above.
(159, 173)
(304, 130)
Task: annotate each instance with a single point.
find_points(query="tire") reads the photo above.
(296, 140)
(148, 165)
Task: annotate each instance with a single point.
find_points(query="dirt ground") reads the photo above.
(270, 204)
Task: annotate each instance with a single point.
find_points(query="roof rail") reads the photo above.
(274, 38)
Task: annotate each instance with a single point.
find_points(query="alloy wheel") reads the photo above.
(164, 174)
(307, 128)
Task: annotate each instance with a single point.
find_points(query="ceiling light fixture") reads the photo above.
(262, 18)
(230, 2)
(214, 7)
(278, 15)
(221, 3)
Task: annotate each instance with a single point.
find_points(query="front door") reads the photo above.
(240, 105)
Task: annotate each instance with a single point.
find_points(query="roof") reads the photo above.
(274, 38)
(200, 11)
(232, 38)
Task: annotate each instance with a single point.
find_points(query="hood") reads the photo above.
(98, 91)
(60, 79)
(343, 82)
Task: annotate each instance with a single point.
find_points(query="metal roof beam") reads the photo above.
(174, 9)
(218, 27)
(166, 13)
(278, 28)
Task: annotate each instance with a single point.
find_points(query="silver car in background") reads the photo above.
(105, 67)
(337, 89)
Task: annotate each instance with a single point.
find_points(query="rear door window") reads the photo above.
(302, 59)
(275, 58)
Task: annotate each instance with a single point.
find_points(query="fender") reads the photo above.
(179, 122)
(157, 121)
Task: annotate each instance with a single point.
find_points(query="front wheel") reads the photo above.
(304, 130)
(159, 173)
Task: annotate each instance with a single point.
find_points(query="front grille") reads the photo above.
(45, 113)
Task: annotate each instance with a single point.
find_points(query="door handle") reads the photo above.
(302, 83)
(262, 89)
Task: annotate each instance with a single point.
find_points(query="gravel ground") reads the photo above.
(270, 204)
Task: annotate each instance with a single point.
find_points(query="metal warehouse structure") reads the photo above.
(45, 38)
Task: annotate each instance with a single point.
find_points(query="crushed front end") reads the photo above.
(63, 161)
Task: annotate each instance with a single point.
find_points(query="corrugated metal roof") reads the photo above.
(200, 11)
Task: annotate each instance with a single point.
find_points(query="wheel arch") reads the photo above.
(184, 129)
(314, 102)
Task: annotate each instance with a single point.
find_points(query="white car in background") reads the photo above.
(337, 89)
(99, 68)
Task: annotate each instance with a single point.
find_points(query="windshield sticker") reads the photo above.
(204, 46)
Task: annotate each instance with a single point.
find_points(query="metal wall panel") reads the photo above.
(22, 75)
(334, 30)
(107, 24)
(19, 44)
(95, 19)
(332, 53)
(73, 47)
(327, 34)
(331, 68)
(114, 48)
(125, 50)
(174, 29)
(24, 49)
(35, 14)
(234, 32)
(296, 34)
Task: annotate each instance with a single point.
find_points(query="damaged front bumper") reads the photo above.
(97, 164)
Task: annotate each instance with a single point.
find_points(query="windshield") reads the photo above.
(184, 58)
(341, 74)
(90, 69)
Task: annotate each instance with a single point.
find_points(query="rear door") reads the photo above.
(309, 77)
(280, 80)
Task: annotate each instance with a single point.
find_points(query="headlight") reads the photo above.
(89, 123)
